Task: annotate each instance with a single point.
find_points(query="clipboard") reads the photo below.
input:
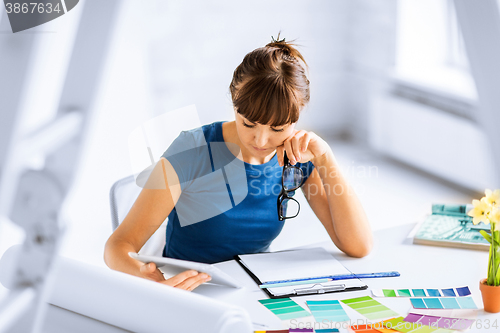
(297, 264)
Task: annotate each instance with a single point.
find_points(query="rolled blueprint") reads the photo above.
(137, 304)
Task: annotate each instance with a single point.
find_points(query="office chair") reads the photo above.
(153, 137)
(122, 196)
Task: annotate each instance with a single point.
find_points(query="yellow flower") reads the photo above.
(493, 197)
(480, 211)
(494, 216)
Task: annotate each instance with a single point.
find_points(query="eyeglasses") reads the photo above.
(291, 179)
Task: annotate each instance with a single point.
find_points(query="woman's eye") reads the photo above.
(277, 130)
(247, 125)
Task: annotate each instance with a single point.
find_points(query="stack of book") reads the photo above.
(450, 226)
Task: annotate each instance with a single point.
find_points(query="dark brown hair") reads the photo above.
(270, 86)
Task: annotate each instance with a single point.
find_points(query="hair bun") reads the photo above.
(270, 86)
(280, 43)
(287, 48)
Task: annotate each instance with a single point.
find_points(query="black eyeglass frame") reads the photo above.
(284, 192)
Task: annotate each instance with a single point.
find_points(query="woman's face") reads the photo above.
(261, 140)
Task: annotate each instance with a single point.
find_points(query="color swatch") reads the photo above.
(324, 330)
(363, 329)
(450, 292)
(371, 328)
(400, 325)
(284, 308)
(369, 308)
(327, 310)
(443, 303)
(443, 322)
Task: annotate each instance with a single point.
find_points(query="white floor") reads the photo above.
(391, 194)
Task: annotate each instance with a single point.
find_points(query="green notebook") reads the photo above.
(450, 226)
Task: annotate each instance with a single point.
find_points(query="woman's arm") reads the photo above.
(152, 207)
(338, 208)
(330, 196)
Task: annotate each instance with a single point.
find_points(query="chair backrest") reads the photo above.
(122, 196)
(153, 136)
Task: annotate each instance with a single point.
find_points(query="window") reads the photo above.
(430, 49)
(455, 48)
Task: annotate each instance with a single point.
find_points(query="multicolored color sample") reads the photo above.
(327, 310)
(369, 308)
(284, 308)
(293, 330)
(443, 322)
(450, 292)
(400, 325)
(371, 328)
(443, 303)
(305, 330)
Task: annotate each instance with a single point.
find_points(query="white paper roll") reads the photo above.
(138, 304)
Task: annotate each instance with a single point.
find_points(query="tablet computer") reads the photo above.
(218, 276)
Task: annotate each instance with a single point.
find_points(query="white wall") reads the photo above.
(196, 45)
(370, 45)
(442, 144)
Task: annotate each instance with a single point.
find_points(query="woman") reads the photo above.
(217, 209)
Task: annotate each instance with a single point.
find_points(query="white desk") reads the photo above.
(420, 267)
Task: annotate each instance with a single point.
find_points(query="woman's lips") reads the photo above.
(260, 149)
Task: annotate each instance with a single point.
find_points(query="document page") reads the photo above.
(294, 264)
(297, 264)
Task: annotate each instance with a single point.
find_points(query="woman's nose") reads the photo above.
(261, 138)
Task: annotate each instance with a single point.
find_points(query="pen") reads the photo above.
(292, 283)
(320, 279)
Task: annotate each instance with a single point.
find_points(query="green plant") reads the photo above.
(487, 210)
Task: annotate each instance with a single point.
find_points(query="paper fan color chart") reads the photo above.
(449, 292)
(284, 308)
(444, 303)
(369, 308)
(327, 310)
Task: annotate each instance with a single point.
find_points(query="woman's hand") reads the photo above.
(302, 147)
(187, 280)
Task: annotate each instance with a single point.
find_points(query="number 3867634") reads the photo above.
(32, 7)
